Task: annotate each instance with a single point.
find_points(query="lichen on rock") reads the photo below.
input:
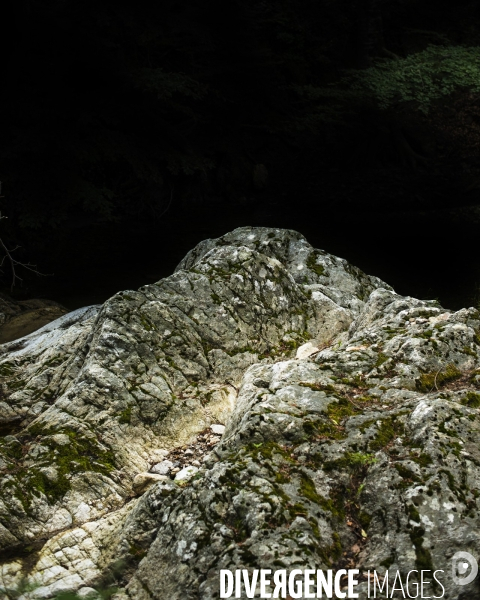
(351, 419)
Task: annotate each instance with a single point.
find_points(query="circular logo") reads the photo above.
(462, 562)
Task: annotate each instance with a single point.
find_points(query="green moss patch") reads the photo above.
(125, 415)
(78, 456)
(381, 359)
(427, 382)
(389, 429)
(7, 369)
(334, 505)
(424, 459)
(405, 473)
(331, 425)
(313, 266)
(472, 400)
(350, 460)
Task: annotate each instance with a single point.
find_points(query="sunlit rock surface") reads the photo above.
(351, 439)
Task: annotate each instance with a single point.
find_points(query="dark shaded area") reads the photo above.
(130, 132)
(10, 427)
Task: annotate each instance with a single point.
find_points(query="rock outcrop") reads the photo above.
(19, 318)
(351, 434)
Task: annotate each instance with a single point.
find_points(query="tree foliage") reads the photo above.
(421, 78)
(109, 107)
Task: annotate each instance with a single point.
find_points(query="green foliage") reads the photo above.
(420, 78)
(320, 106)
(112, 111)
(167, 85)
(133, 104)
(360, 458)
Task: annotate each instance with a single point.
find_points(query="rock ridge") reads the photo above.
(351, 419)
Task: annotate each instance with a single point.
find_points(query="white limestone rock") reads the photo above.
(186, 473)
(217, 429)
(343, 403)
(162, 468)
(88, 593)
(306, 350)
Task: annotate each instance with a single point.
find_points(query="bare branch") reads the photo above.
(15, 263)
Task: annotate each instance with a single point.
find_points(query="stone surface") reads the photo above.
(218, 429)
(186, 473)
(87, 592)
(143, 481)
(162, 468)
(351, 440)
(306, 350)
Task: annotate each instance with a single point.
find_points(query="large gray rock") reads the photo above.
(351, 440)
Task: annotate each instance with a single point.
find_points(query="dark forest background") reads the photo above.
(131, 131)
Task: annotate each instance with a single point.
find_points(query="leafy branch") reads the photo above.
(420, 78)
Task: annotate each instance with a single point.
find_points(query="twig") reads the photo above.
(15, 263)
(435, 380)
(355, 405)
